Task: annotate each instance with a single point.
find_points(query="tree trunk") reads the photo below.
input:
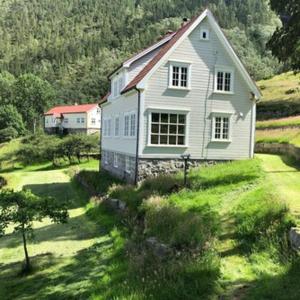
(34, 126)
(27, 261)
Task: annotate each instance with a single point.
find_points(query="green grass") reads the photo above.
(279, 135)
(281, 96)
(279, 123)
(285, 175)
(89, 256)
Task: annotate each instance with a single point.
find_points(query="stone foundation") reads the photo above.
(107, 163)
(276, 148)
(155, 167)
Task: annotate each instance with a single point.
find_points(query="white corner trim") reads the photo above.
(222, 112)
(179, 62)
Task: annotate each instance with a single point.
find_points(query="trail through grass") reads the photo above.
(286, 177)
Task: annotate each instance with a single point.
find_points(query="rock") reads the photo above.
(122, 205)
(158, 249)
(294, 236)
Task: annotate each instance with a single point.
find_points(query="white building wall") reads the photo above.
(201, 101)
(72, 121)
(119, 107)
(95, 114)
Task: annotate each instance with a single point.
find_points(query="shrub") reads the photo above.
(8, 134)
(184, 230)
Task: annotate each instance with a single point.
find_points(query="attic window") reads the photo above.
(204, 34)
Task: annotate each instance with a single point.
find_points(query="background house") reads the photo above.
(85, 118)
(187, 94)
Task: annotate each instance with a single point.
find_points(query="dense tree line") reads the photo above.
(74, 44)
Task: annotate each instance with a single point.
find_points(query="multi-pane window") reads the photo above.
(128, 164)
(130, 124)
(224, 81)
(179, 76)
(82, 120)
(221, 128)
(116, 160)
(93, 121)
(107, 127)
(66, 120)
(105, 157)
(78, 120)
(168, 129)
(126, 125)
(117, 126)
(117, 85)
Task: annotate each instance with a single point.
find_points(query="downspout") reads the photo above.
(101, 138)
(136, 176)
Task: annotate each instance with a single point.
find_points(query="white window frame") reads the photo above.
(204, 30)
(117, 85)
(221, 115)
(224, 69)
(130, 134)
(116, 160)
(93, 121)
(107, 128)
(168, 111)
(82, 120)
(78, 121)
(117, 132)
(179, 64)
(127, 164)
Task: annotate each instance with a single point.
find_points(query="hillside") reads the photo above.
(74, 44)
(281, 96)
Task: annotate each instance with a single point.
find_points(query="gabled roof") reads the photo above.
(174, 41)
(69, 109)
(159, 55)
(142, 53)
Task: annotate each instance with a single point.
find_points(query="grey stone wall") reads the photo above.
(276, 148)
(154, 167)
(120, 171)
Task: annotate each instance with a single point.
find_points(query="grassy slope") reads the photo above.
(279, 135)
(60, 252)
(78, 259)
(286, 177)
(279, 123)
(279, 88)
(281, 97)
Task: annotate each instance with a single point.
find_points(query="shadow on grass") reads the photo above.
(68, 192)
(291, 162)
(280, 287)
(57, 278)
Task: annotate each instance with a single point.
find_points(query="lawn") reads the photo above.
(88, 257)
(279, 135)
(281, 96)
(285, 175)
(279, 123)
(67, 257)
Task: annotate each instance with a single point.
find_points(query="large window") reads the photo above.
(130, 124)
(167, 129)
(221, 128)
(224, 80)
(179, 76)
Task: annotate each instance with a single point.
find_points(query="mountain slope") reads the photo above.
(75, 43)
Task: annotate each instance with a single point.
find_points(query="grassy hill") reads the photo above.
(281, 97)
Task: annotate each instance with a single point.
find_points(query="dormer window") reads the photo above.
(179, 77)
(117, 85)
(204, 34)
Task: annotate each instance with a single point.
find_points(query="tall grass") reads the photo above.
(281, 136)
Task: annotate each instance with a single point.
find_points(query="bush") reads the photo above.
(183, 230)
(8, 134)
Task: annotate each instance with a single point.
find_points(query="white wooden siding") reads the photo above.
(121, 106)
(201, 101)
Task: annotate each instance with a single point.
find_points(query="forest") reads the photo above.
(74, 44)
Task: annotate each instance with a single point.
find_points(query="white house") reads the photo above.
(189, 93)
(85, 118)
